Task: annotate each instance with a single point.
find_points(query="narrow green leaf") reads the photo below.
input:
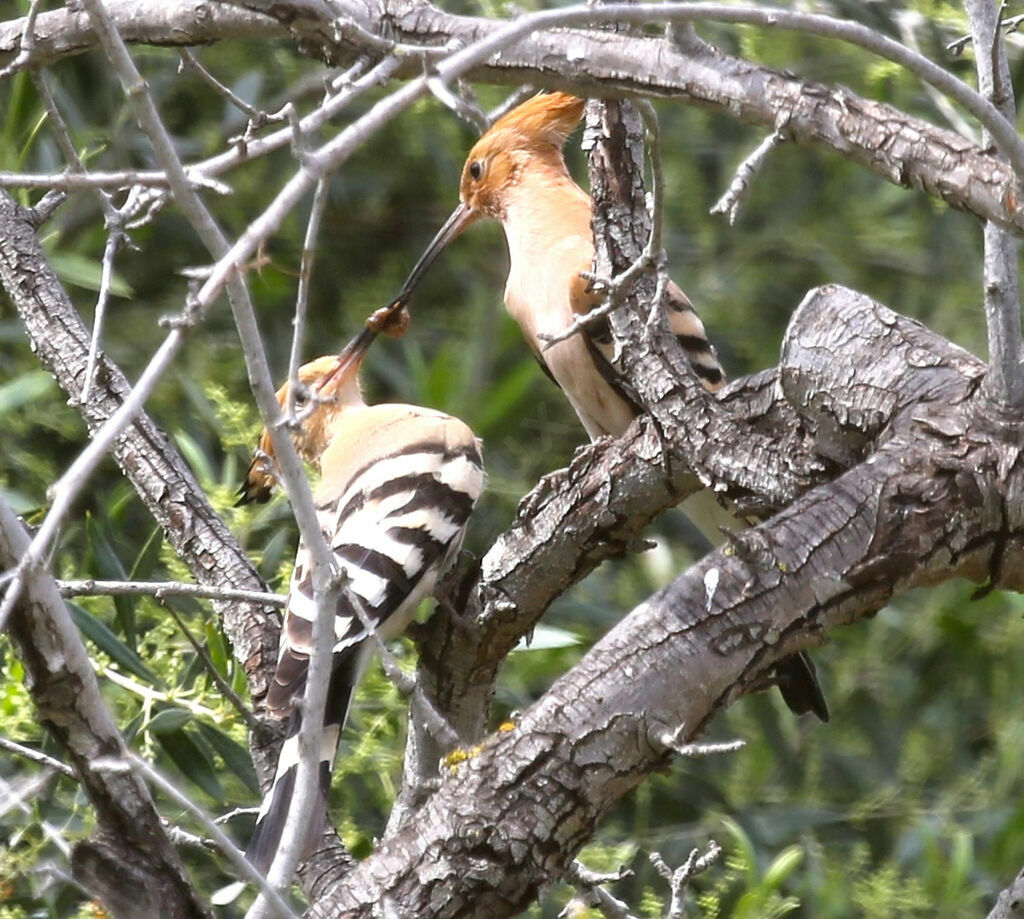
(193, 759)
(235, 756)
(502, 398)
(783, 866)
(195, 457)
(25, 389)
(217, 648)
(76, 269)
(104, 639)
(168, 721)
(108, 565)
(149, 555)
(132, 728)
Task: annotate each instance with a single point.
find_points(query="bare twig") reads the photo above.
(731, 202)
(42, 630)
(46, 207)
(908, 21)
(113, 218)
(406, 683)
(161, 589)
(15, 796)
(141, 768)
(677, 13)
(36, 756)
(316, 211)
(257, 116)
(225, 688)
(180, 838)
(463, 106)
(695, 864)
(593, 894)
(513, 99)
(326, 587)
(654, 249)
(213, 238)
(653, 255)
(675, 742)
(72, 181)
(288, 461)
(237, 812)
(1009, 24)
(28, 42)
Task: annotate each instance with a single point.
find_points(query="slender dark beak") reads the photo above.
(352, 355)
(349, 360)
(460, 218)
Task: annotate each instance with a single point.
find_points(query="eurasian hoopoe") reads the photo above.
(516, 174)
(398, 483)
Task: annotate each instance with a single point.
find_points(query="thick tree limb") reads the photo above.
(67, 31)
(939, 498)
(159, 474)
(902, 149)
(129, 862)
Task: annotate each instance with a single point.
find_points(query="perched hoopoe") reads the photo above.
(516, 174)
(397, 486)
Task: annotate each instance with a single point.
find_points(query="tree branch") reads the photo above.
(159, 474)
(899, 148)
(130, 860)
(836, 555)
(1005, 381)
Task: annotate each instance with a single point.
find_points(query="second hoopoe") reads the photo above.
(516, 174)
(398, 483)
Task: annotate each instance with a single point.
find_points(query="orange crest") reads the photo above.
(547, 117)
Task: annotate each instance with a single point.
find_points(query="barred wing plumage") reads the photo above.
(393, 504)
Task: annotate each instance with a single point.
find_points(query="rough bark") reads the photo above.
(129, 862)
(1010, 903)
(939, 496)
(895, 146)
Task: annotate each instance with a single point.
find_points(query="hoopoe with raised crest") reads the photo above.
(397, 485)
(516, 174)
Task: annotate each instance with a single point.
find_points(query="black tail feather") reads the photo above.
(266, 835)
(797, 680)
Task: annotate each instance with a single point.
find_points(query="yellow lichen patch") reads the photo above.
(460, 755)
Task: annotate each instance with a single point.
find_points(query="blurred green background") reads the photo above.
(908, 804)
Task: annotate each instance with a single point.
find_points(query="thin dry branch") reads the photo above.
(1005, 382)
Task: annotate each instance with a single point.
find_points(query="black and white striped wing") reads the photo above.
(392, 531)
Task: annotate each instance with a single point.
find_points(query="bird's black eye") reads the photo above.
(476, 169)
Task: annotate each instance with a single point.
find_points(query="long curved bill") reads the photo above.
(352, 354)
(349, 360)
(460, 218)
